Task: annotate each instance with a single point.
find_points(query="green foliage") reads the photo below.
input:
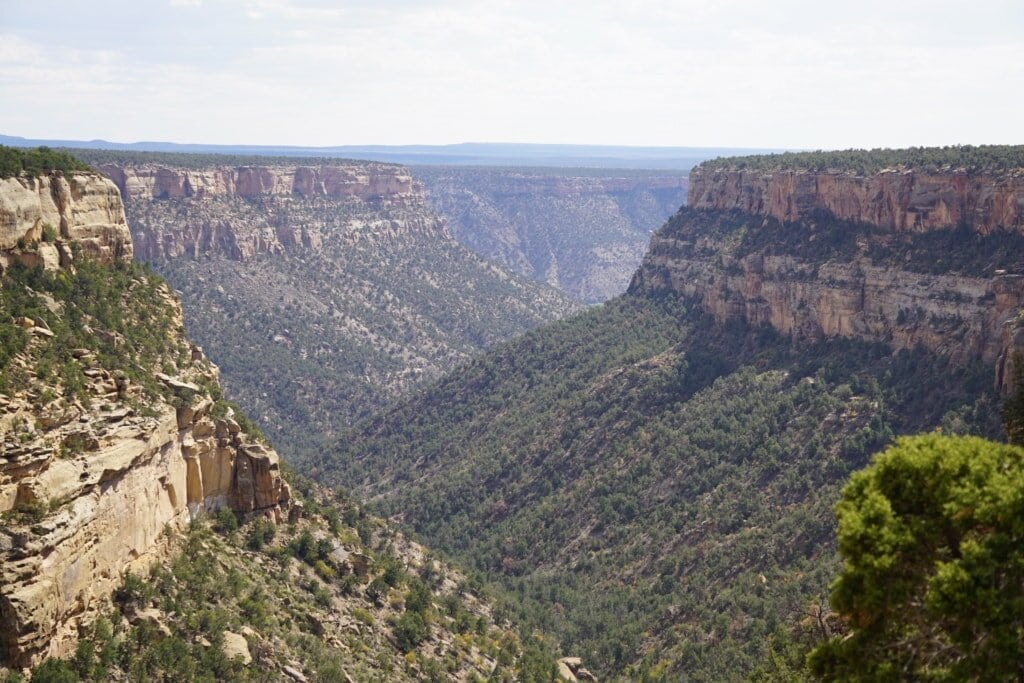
(118, 312)
(1013, 408)
(99, 157)
(639, 479)
(134, 590)
(52, 670)
(37, 161)
(261, 532)
(971, 158)
(410, 630)
(226, 521)
(932, 585)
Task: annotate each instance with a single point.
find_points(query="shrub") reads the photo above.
(410, 630)
(53, 670)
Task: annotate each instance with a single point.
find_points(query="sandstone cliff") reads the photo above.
(84, 209)
(824, 254)
(242, 211)
(897, 199)
(106, 447)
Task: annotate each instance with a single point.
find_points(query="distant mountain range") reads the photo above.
(461, 154)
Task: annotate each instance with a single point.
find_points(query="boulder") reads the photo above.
(235, 645)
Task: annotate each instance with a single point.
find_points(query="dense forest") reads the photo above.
(652, 488)
(970, 158)
(34, 161)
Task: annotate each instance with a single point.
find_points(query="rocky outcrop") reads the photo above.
(84, 208)
(752, 270)
(363, 181)
(898, 199)
(961, 317)
(92, 481)
(240, 212)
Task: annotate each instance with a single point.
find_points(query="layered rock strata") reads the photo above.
(240, 212)
(583, 232)
(972, 314)
(897, 199)
(84, 208)
(91, 486)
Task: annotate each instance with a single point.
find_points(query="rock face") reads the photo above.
(902, 200)
(360, 180)
(89, 486)
(239, 212)
(582, 232)
(730, 251)
(84, 208)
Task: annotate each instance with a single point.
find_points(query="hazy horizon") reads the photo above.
(739, 74)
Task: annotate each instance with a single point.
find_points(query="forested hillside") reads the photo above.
(654, 489)
(653, 480)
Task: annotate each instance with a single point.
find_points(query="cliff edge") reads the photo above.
(114, 431)
(906, 256)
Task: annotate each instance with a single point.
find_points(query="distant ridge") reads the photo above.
(461, 154)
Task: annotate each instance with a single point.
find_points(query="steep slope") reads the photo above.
(110, 429)
(118, 459)
(582, 230)
(652, 480)
(323, 291)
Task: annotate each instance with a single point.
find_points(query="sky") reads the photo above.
(726, 73)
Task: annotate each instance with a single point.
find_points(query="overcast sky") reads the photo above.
(739, 73)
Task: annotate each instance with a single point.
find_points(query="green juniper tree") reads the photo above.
(932, 587)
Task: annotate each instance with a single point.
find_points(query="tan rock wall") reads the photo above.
(362, 181)
(898, 200)
(112, 506)
(102, 507)
(956, 316)
(84, 208)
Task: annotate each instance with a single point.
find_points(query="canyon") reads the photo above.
(653, 480)
(582, 230)
(93, 477)
(323, 290)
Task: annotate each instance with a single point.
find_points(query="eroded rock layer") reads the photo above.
(839, 255)
(892, 199)
(92, 476)
(584, 232)
(84, 208)
(239, 212)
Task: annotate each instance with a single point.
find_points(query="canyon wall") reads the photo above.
(360, 180)
(241, 211)
(92, 480)
(894, 199)
(734, 249)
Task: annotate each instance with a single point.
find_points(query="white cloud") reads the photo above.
(791, 73)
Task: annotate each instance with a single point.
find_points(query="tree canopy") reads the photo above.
(932, 587)
(970, 158)
(15, 161)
